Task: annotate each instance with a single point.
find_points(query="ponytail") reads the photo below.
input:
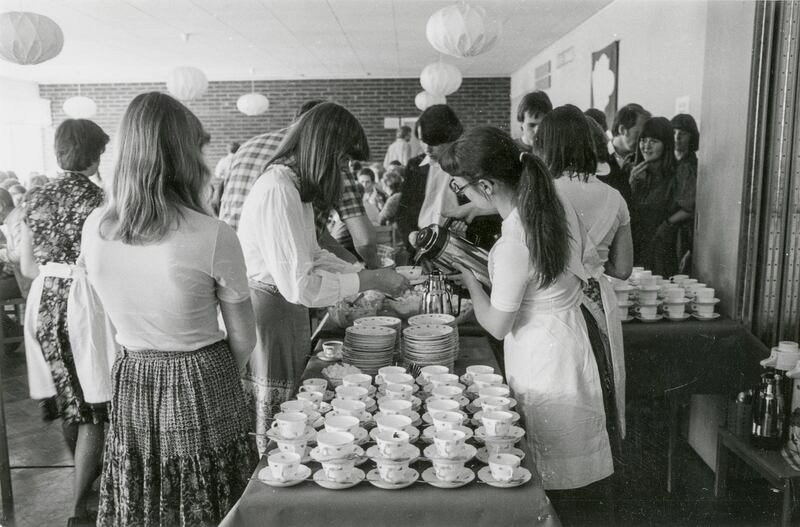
(544, 219)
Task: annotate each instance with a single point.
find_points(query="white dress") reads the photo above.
(550, 365)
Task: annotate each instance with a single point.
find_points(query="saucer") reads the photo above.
(355, 478)
(415, 419)
(706, 302)
(308, 435)
(357, 454)
(626, 319)
(382, 389)
(462, 401)
(410, 454)
(365, 419)
(306, 457)
(428, 420)
(478, 407)
(521, 476)
(413, 433)
(713, 316)
(265, 475)
(516, 433)
(686, 316)
(649, 320)
(625, 305)
(466, 454)
(474, 389)
(476, 419)
(324, 407)
(427, 434)
(483, 454)
(328, 358)
(374, 477)
(466, 476)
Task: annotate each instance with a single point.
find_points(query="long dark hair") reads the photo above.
(317, 145)
(685, 122)
(564, 141)
(486, 152)
(661, 129)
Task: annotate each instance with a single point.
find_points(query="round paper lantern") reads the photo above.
(461, 30)
(252, 104)
(28, 38)
(424, 99)
(440, 78)
(80, 107)
(187, 83)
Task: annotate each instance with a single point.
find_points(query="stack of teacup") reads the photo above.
(647, 289)
(675, 302)
(393, 451)
(338, 454)
(293, 428)
(284, 470)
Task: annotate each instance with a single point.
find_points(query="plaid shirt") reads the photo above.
(251, 161)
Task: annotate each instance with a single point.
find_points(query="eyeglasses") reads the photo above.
(458, 190)
(649, 141)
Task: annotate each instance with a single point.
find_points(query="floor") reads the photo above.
(42, 496)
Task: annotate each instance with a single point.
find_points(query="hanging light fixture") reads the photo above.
(252, 103)
(187, 83)
(29, 38)
(80, 107)
(424, 99)
(440, 78)
(461, 30)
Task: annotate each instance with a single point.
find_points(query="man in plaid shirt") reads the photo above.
(250, 162)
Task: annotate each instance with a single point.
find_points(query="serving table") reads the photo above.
(421, 504)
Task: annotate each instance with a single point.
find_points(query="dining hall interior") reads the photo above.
(420, 262)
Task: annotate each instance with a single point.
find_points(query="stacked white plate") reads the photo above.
(388, 322)
(428, 344)
(369, 348)
(437, 318)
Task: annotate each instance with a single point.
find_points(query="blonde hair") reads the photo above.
(159, 169)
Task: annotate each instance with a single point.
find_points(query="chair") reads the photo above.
(6, 495)
(18, 305)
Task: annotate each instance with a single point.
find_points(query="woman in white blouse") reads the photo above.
(537, 276)
(287, 270)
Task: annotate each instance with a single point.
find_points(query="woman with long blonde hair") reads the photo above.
(178, 451)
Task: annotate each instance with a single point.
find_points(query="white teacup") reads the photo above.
(497, 446)
(335, 444)
(317, 384)
(399, 391)
(443, 379)
(427, 371)
(674, 294)
(392, 423)
(687, 283)
(284, 465)
(339, 471)
(391, 443)
(293, 446)
(495, 404)
(352, 393)
(788, 346)
(497, 423)
(392, 472)
(290, 425)
(674, 310)
(647, 311)
(395, 406)
(357, 379)
(446, 420)
(447, 392)
(332, 348)
(387, 370)
(447, 470)
(679, 278)
(487, 379)
(703, 310)
(441, 405)
(691, 289)
(342, 424)
(312, 398)
(623, 293)
(297, 405)
(449, 443)
(348, 407)
(648, 296)
(503, 466)
(478, 369)
(398, 378)
(704, 294)
(495, 391)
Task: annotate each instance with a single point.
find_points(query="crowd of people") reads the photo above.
(564, 210)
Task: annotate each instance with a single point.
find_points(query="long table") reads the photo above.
(475, 504)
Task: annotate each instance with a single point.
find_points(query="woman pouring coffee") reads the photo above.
(537, 279)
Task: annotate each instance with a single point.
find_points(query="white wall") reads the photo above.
(661, 55)
(25, 128)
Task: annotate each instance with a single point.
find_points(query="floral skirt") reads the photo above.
(178, 451)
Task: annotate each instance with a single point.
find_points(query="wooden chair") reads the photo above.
(6, 494)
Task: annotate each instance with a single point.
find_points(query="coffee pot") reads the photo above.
(444, 248)
(438, 296)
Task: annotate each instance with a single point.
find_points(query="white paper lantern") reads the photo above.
(462, 30)
(424, 99)
(440, 78)
(187, 83)
(80, 107)
(28, 38)
(252, 104)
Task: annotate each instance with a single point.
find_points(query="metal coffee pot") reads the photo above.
(437, 297)
(442, 247)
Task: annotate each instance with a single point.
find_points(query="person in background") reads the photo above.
(374, 198)
(400, 150)
(250, 162)
(392, 185)
(12, 217)
(530, 112)
(537, 277)
(178, 451)
(224, 164)
(687, 142)
(17, 193)
(37, 181)
(608, 171)
(598, 116)
(9, 182)
(288, 271)
(625, 136)
(53, 217)
(652, 198)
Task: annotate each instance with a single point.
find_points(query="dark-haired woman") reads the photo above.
(178, 451)
(687, 142)
(287, 270)
(53, 216)
(652, 195)
(537, 277)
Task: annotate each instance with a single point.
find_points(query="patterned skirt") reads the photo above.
(178, 452)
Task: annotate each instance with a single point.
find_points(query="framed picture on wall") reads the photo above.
(605, 76)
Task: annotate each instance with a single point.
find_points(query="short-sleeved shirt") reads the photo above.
(55, 214)
(164, 295)
(251, 161)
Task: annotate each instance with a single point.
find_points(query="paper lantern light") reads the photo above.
(80, 107)
(440, 78)
(187, 83)
(461, 30)
(424, 99)
(28, 38)
(252, 104)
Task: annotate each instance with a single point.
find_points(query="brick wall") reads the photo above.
(478, 101)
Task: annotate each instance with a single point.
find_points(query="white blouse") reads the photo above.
(280, 245)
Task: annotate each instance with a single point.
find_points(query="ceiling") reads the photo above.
(141, 40)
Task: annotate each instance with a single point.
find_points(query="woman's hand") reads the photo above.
(639, 169)
(385, 280)
(468, 212)
(466, 278)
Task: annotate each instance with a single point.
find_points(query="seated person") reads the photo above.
(392, 184)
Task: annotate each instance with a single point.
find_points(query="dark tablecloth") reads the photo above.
(475, 504)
